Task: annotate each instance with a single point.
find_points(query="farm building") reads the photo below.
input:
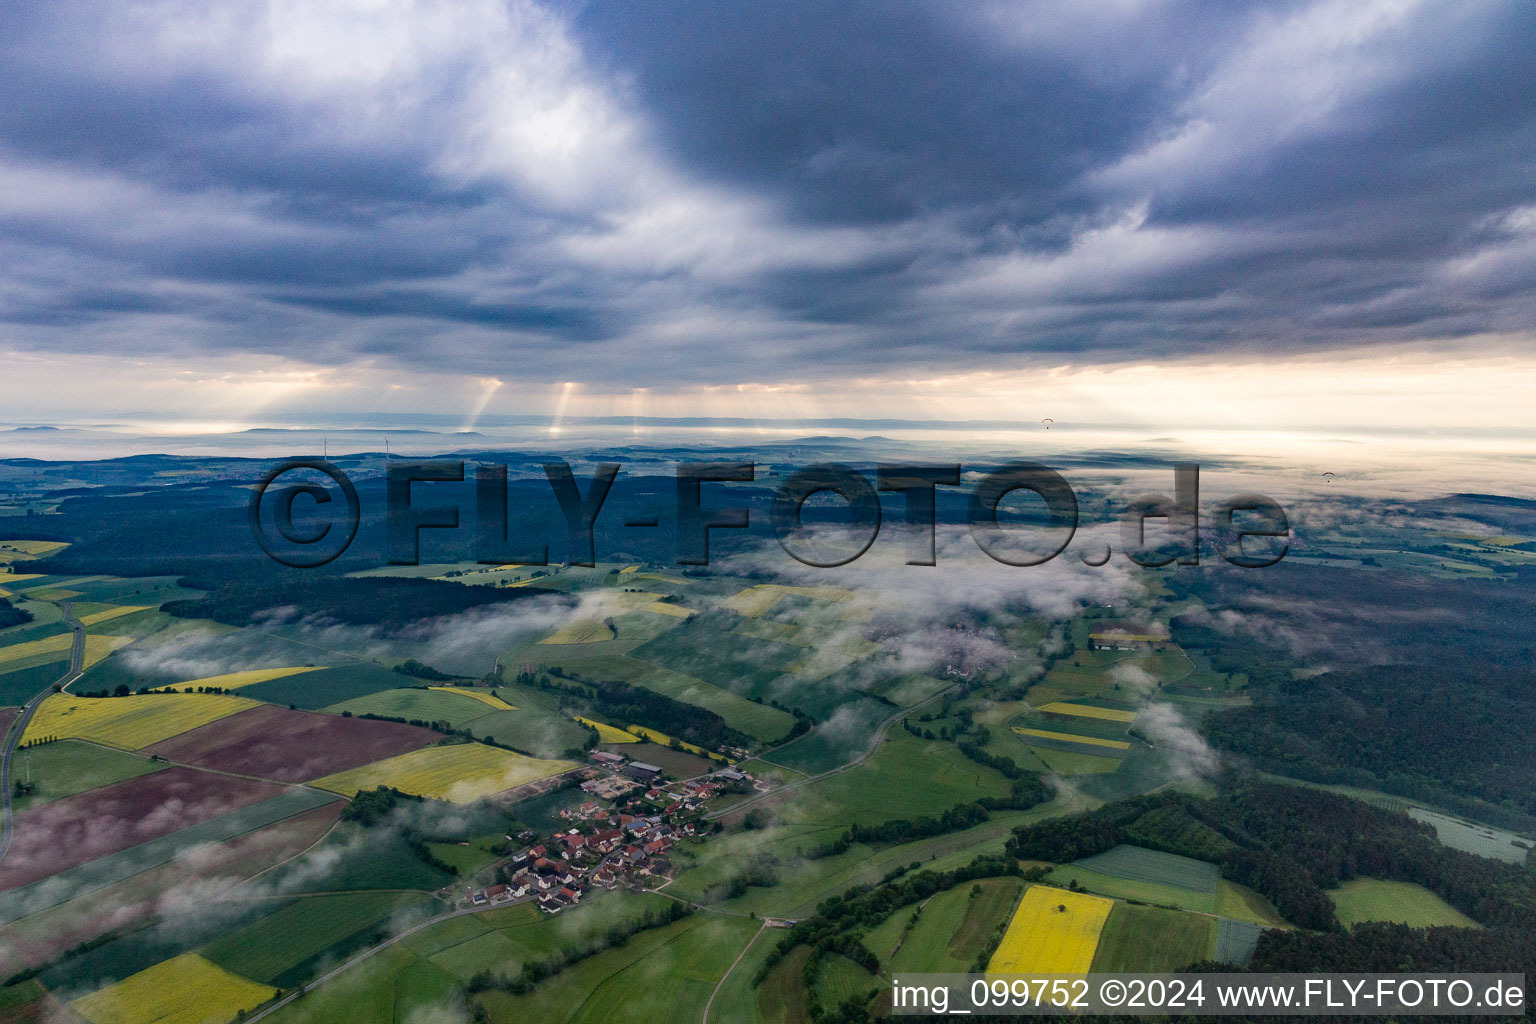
(642, 771)
(1127, 636)
(603, 757)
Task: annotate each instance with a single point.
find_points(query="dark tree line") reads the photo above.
(10, 615)
(387, 602)
(1292, 844)
(1431, 733)
(1026, 793)
(631, 704)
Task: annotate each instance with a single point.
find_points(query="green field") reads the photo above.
(1150, 939)
(1235, 940)
(910, 690)
(1127, 889)
(841, 980)
(654, 975)
(802, 884)
(742, 664)
(309, 926)
(416, 704)
(324, 687)
(19, 686)
(1243, 904)
(759, 721)
(918, 776)
(1374, 899)
(68, 767)
(511, 936)
(139, 950)
(345, 860)
(1141, 865)
(537, 726)
(466, 857)
(836, 740)
(950, 930)
(388, 983)
(663, 974)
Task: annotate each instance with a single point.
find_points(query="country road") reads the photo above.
(13, 736)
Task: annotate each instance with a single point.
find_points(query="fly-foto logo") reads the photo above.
(1251, 530)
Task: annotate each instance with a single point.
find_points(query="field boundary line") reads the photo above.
(729, 970)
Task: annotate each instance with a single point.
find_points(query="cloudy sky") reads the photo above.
(1301, 213)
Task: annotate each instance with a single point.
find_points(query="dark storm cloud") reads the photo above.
(718, 192)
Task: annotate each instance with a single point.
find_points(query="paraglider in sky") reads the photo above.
(1047, 421)
(1327, 474)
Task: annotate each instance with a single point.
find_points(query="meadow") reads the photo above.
(21, 685)
(1374, 899)
(306, 928)
(666, 973)
(537, 725)
(348, 860)
(949, 932)
(917, 776)
(67, 767)
(1142, 865)
(1129, 889)
(417, 704)
(325, 686)
(1151, 940)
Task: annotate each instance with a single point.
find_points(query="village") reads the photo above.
(619, 836)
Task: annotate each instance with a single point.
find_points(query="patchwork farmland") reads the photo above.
(290, 746)
(461, 773)
(73, 830)
(186, 990)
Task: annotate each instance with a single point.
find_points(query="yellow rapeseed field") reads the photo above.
(461, 773)
(1054, 931)
(755, 601)
(129, 722)
(111, 613)
(96, 647)
(1072, 737)
(235, 680)
(608, 733)
(184, 990)
(581, 631)
(677, 611)
(479, 695)
(1087, 711)
(47, 645)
